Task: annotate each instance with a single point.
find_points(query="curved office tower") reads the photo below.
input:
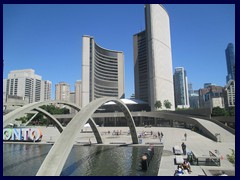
(102, 72)
(153, 73)
(230, 58)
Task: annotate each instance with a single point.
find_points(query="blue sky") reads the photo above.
(48, 38)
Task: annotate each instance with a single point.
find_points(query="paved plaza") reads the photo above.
(195, 142)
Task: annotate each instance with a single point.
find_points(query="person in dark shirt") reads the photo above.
(184, 148)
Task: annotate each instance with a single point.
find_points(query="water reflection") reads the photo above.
(25, 160)
(22, 159)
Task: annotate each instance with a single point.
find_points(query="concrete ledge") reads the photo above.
(154, 143)
(117, 143)
(179, 159)
(177, 150)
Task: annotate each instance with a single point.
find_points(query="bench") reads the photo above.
(179, 159)
(177, 150)
(213, 154)
(206, 160)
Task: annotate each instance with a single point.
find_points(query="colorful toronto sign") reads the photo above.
(22, 134)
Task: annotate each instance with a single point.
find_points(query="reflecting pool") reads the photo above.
(95, 160)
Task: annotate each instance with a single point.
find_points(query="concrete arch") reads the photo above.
(57, 156)
(35, 106)
(60, 127)
(10, 117)
(51, 117)
(95, 131)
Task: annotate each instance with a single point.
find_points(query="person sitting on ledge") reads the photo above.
(186, 165)
(223, 174)
(178, 171)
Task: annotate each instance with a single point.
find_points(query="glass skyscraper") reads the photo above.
(181, 88)
(230, 58)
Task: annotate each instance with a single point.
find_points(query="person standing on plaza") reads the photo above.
(161, 136)
(185, 135)
(184, 148)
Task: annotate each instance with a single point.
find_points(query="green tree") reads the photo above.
(158, 104)
(40, 119)
(24, 119)
(217, 111)
(231, 157)
(55, 110)
(65, 111)
(167, 104)
(231, 111)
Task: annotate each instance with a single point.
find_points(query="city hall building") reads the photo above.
(153, 58)
(102, 72)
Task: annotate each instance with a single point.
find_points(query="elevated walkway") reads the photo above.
(221, 134)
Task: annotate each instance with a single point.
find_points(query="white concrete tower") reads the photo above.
(159, 55)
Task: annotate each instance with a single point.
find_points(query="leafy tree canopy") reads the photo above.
(158, 104)
(167, 104)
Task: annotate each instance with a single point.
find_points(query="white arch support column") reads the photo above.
(57, 156)
(95, 131)
(130, 121)
(52, 118)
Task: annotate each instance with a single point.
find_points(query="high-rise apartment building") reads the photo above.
(193, 97)
(141, 66)
(153, 58)
(208, 84)
(62, 91)
(230, 59)
(181, 88)
(212, 96)
(25, 83)
(229, 94)
(102, 72)
(72, 99)
(194, 100)
(47, 90)
(190, 88)
(78, 90)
